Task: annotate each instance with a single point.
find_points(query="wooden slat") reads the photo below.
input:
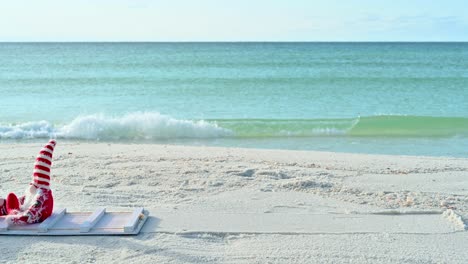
(92, 220)
(51, 220)
(3, 226)
(133, 221)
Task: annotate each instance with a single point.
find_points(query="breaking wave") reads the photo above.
(156, 126)
(138, 125)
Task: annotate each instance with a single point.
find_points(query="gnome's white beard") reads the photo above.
(30, 196)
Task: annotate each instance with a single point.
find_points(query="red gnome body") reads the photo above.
(37, 203)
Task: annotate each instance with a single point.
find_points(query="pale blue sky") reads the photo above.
(234, 20)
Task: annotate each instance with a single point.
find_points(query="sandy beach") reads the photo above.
(232, 205)
(234, 132)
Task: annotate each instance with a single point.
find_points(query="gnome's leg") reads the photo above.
(17, 219)
(40, 209)
(12, 203)
(12, 208)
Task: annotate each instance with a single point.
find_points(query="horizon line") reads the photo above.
(238, 41)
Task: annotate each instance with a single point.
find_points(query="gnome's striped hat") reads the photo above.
(41, 174)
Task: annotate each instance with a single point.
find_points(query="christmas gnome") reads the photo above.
(37, 203)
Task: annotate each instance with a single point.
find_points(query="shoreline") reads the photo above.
(192, 143)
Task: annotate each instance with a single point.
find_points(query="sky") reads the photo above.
(233, 20)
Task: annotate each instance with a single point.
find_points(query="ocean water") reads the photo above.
(388, 98)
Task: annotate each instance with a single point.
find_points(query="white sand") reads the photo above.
(212, 205)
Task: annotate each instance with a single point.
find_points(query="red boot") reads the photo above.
(12, 203)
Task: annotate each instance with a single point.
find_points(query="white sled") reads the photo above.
(99, 222)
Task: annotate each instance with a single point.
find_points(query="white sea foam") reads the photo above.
(139, 125)
(39, 129)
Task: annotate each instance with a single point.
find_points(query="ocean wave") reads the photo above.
(133, 126)
(410, 126)
(155, 126)
(245, 128)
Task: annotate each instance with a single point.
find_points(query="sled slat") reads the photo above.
(51, 220)
(92, 220)
(133, 221)
(3, 226)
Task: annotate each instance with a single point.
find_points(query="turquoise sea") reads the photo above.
(388, 98)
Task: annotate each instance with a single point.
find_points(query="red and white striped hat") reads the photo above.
(41, 173)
